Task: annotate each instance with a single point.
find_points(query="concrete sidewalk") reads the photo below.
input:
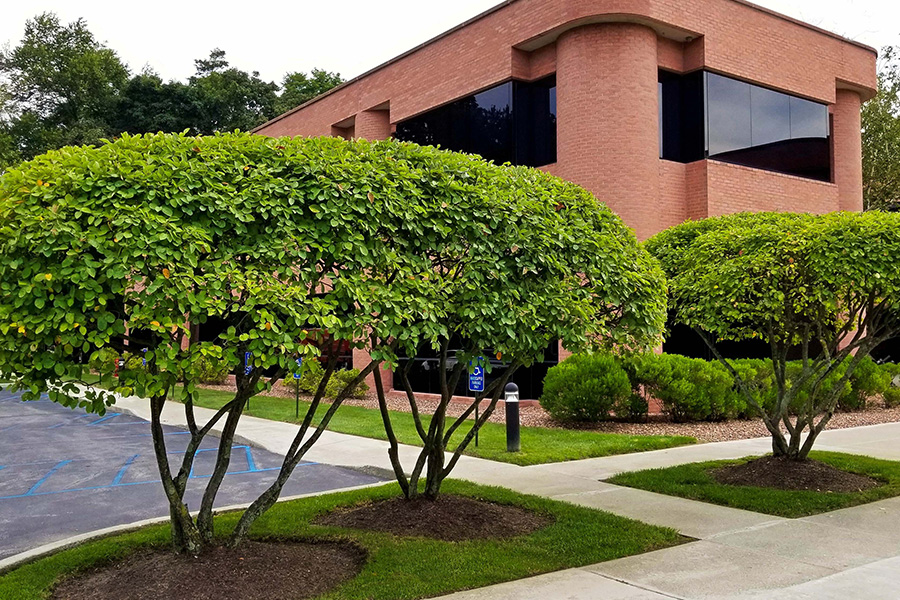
(850, 553)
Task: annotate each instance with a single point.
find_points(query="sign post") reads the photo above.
(476, 384)
(297, 388)
(248, 368)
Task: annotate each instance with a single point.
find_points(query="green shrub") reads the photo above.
(209, 369)
(312, 373)
(340, 380)
(635, 408)
(868, 380)
(689, 389)
(586, 387)
(891, 394)
(103, 360)
(692, 389)
(134, 362)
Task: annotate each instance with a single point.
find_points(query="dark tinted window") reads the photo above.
(808, 119)
(682, 129)
(743, 124)
(728, 114)
(512, 122)
(771, 116)
(535, 122)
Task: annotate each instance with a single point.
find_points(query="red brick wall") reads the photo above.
(848, 150)
(607, 118)
(373, 125)
(734, 188)
(729, 36)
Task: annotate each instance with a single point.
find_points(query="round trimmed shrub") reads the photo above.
(585, 387)
(212, 370)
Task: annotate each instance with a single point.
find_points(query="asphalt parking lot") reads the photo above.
(64, 472)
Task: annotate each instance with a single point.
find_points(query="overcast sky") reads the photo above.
(346, 36)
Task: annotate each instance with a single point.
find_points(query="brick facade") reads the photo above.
(606, 55)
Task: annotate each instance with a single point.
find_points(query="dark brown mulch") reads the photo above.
(254, 571)
(784, 474)
(449, 518)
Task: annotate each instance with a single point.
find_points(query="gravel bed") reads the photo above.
(535, 416)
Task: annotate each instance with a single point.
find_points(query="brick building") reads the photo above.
(664, 109)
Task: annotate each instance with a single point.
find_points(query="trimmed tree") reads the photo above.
(133, 244)
(509, 261)
(825, 288)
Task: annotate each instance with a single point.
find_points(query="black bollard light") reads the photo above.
(511, 398)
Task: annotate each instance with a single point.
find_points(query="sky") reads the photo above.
(350, 37)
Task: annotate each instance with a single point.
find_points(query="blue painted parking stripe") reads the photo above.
(251, 464)
(104, 487)
(106, 418)
(40, 482)
(64, 423)
(124, 468)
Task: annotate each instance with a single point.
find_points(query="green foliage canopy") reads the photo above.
(508, 260)
(62, 84)
(298, 88)
(386, 243)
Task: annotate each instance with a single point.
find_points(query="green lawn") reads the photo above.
(397, 567)
(539, 444)
(694, 481)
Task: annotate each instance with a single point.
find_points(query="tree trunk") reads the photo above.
(186, 537)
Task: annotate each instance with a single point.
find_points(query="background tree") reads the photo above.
(60, 86)
(147, 105)
(228, 98)
(62, 83)
(298, 88)
(881, 138)
(507, 260)
(826, 287)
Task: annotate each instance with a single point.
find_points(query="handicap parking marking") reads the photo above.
(118, 480)
(41, 481)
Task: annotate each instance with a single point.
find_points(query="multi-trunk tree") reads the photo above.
(132, 244)
(503, 262)
(822, 290)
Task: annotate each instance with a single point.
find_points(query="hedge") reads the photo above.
(689, 389)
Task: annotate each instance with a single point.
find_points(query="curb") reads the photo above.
(23, 558)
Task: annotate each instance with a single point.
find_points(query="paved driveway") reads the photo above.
(65, 472)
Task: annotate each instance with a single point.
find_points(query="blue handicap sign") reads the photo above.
(476, 379)
(145, 356)
(299, 367)
(248, 368)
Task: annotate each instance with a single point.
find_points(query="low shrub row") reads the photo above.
(597, 387)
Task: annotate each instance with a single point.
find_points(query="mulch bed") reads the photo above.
(254, 571)
(449, 518)
(785, 474)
